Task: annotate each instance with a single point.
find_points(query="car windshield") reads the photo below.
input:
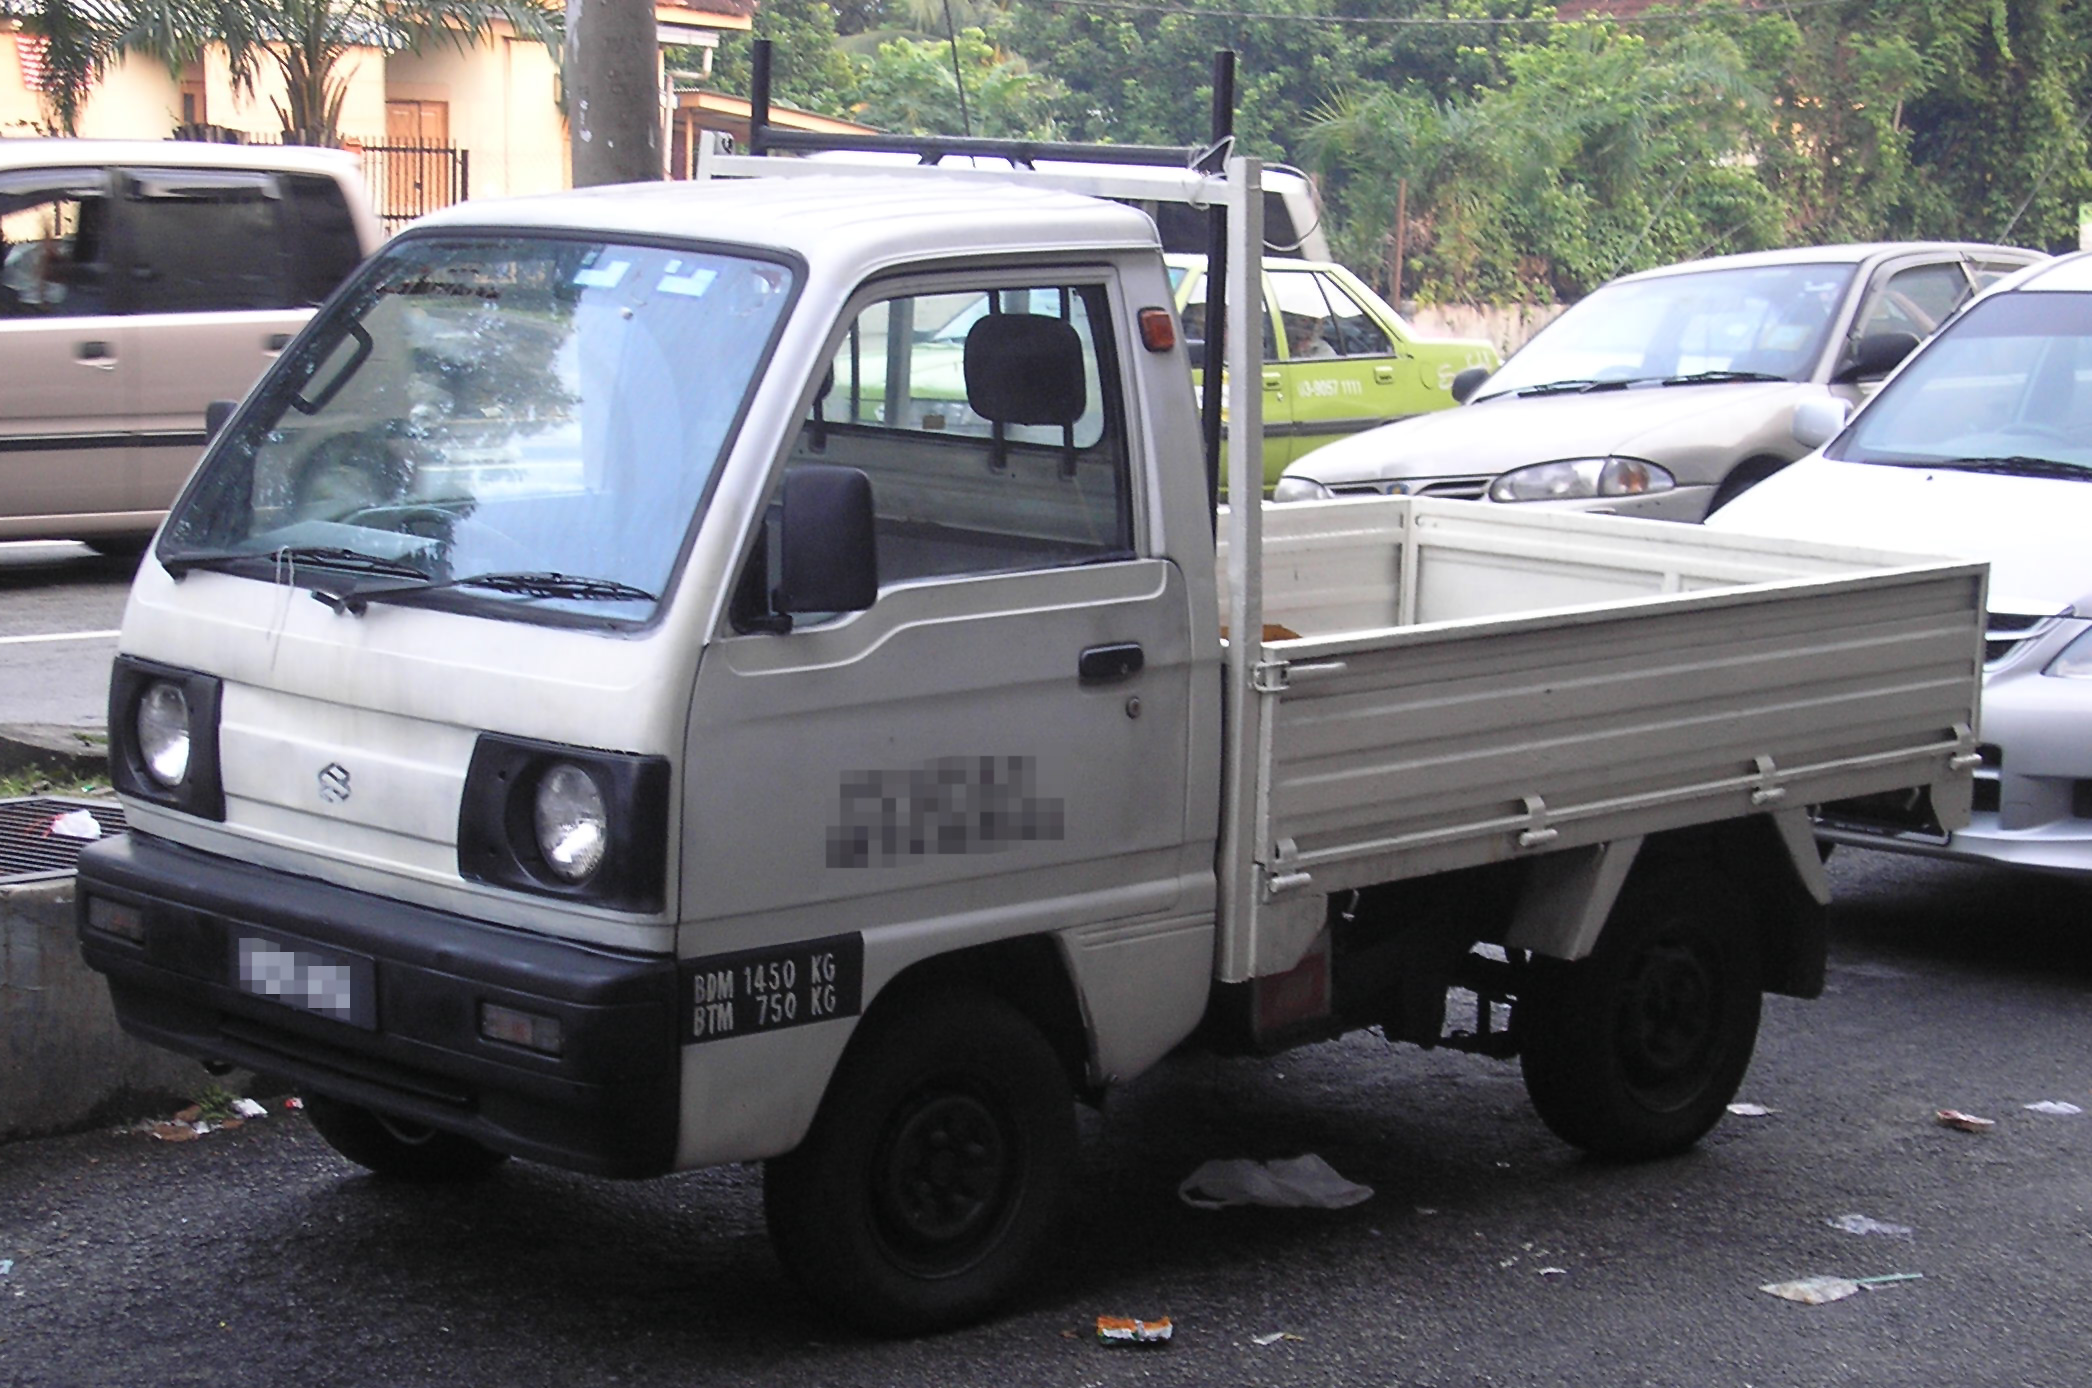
(527, 423)
(2006, 388)
(1749, 323)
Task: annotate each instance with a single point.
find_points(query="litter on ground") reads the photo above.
(1966, 1122)
(1301, 1182)
(1750, 1110)
(1864, 1224)
(1819, 1289)
(2054, 1106)
(1125, 1330)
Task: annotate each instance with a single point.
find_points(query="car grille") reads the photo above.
(2006, 632)
(1459, 488)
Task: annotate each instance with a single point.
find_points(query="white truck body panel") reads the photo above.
(1443, 684)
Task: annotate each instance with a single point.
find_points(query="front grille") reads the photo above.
(32, 847)
(1457, 488)
(2006, 632)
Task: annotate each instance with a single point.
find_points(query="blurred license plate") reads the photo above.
(325, 982)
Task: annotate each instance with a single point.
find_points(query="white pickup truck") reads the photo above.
(607, 698)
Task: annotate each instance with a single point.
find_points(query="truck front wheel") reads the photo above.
(1636, 1051)
(398, 1150)
(934, 1170)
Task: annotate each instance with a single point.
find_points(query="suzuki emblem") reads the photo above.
(334, 783)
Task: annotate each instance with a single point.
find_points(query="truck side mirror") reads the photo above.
(1467, 383)
(828, 552)
(1875, 355)
(214, 416)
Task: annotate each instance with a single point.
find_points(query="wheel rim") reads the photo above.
(1670, 1021)
(942, 1179)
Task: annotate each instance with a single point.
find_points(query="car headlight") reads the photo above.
(1572, 479)
(2074, 662)
(1300, 489)
(561, 821)
(572, 826)
(163, 736)
(163, 732)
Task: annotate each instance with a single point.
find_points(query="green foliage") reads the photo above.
(911, 86)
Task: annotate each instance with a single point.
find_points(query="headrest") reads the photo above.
(1024, 368)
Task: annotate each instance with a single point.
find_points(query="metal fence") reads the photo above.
(408, 180)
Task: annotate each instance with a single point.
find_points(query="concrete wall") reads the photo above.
(64, 1062)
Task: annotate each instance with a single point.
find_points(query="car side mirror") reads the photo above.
(1468, 382)
(1817, 421)
(828, 552)
(1875, 355)
(214, 416)
(1195, 348)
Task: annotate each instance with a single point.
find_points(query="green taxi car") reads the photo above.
(1337, 359)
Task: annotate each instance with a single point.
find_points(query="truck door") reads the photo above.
(998, 745)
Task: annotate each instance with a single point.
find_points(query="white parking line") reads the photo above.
(60, 636)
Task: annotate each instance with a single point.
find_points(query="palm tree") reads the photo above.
(307, 40)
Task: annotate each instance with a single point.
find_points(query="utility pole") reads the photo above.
(613, 91)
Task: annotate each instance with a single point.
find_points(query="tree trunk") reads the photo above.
(613, 93)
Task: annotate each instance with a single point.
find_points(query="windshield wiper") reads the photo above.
(556, 585)
(353, 561)
(2014, 465)
(1698, 378)
(1577, 387)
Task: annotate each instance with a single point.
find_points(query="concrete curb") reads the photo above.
(65, 1064)
(77, 752)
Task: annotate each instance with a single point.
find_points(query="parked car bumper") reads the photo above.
(174, 929)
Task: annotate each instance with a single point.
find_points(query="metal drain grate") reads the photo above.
(31, 847)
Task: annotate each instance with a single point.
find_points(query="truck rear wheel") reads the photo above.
(1636, 1051)
(934, 1170)
(398, 1150)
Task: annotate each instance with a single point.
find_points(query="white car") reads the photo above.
(1981, 447)
(1667, 392)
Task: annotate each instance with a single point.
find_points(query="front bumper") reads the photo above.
(2033, 793)
(606, 1103)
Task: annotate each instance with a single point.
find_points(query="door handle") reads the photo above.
(1108, 664)
(1271, 380)
(96, 353)
(1385, 375)
(276, 342)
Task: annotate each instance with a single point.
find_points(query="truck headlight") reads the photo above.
(2074, 661)
(1300, 489)
(571, 822)
(573, 827)
(163, 732)
(163, 736)
(1573, 479)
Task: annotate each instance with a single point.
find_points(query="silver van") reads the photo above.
(139, 281)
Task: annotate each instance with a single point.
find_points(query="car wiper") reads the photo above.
(315, 556)
(2013, 465)
(547, 584)
(1699, 378)
(1576, 387)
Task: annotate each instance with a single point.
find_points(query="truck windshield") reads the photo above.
(1765, 322)
(525, 423)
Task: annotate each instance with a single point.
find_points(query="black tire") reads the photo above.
(398, 1150)
(935, 1170)
(1744, 476)
(1636, 1051)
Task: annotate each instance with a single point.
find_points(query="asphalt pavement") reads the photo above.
(1490, 1255)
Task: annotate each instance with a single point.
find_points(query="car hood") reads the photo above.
(1494, 436)
(2033, 530)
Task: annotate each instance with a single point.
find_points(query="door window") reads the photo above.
(203, 241)
(53, 251)
(1916, 300)
(990, 421)
(1311, 329)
